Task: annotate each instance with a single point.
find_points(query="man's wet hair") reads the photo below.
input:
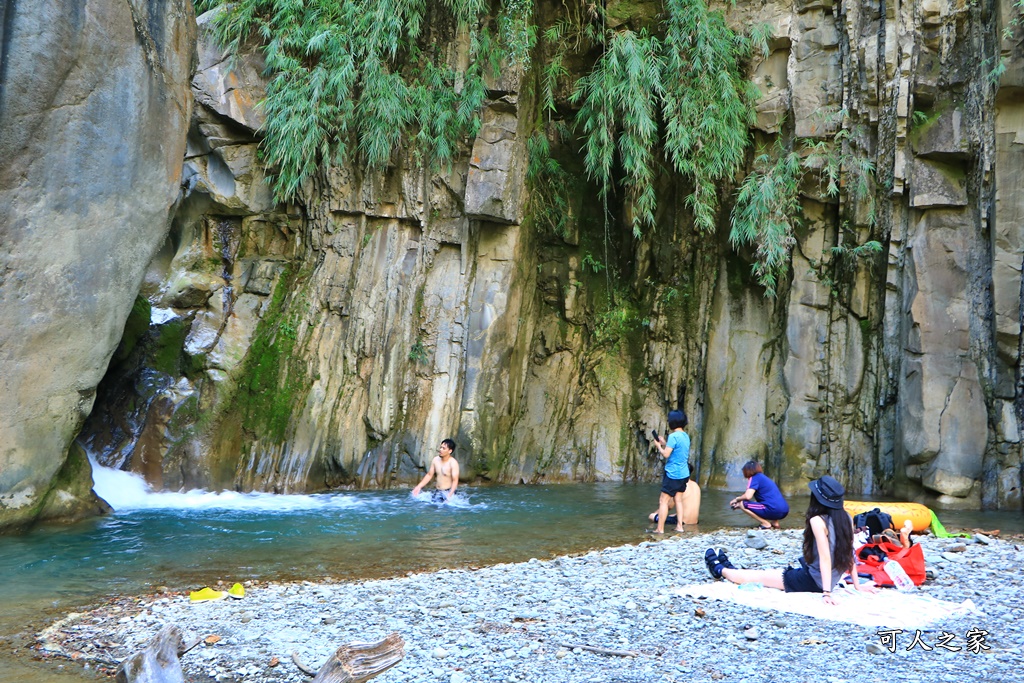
(677, 419)
(450, 444)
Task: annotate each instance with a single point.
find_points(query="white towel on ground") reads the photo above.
(888, 607)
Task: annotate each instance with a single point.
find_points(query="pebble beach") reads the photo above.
(545, 620)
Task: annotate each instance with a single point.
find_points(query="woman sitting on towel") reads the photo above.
(762, 500)
(828, 550)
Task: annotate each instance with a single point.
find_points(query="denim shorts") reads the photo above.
(799, 580)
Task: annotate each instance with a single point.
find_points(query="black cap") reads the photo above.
(828, 491)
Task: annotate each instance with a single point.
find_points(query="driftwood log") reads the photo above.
(358, 662)
(158, 662)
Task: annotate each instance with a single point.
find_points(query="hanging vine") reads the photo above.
(353, 82)
(691, 79)
(349, 76)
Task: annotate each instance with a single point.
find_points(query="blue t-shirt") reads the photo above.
(678, 464)
(767, 493)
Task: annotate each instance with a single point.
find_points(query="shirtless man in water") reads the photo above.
(447, 470)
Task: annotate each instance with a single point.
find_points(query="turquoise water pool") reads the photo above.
(188, 540)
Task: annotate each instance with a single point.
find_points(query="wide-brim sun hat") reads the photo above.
(828, 492)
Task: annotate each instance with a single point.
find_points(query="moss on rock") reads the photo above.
(70, 496)
(272, 383)
(135, 328)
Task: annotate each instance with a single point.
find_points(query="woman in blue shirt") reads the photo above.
(676, 451)
(762, 500)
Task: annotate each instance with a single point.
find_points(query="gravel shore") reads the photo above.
(526, 621)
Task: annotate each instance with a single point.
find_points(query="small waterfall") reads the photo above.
(127, 491)
(121, 490)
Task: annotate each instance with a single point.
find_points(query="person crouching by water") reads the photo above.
(762, 500)
(828, 550)
(446, 468)
(676, 450)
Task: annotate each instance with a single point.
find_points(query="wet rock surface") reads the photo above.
(534, 621)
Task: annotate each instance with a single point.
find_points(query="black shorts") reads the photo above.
(671, 487)
(438, 496)
(799, 580)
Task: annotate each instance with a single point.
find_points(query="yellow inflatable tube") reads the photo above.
(919, 515)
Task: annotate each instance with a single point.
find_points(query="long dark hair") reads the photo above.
(842, 527)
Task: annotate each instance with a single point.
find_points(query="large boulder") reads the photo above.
(94, 108)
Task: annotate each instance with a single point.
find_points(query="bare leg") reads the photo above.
(671, 504)
(760, 521)
(908, 526)
(662, 512)
(766, 577)
(679, 508)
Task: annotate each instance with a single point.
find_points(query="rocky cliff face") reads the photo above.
(94, 105)
(336, 341)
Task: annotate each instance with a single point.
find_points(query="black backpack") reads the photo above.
(875, 521)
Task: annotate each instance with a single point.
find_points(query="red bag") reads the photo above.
(870, 564)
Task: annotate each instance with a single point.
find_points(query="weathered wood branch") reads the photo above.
(185, 647)
(358, 662)
(601, 650)
(301, 666)
(157, 662)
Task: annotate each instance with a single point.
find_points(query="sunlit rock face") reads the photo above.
(336, 340)
(94, 104)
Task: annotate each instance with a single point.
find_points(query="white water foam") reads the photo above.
(118, 488)
(459, 500)
(126, 491)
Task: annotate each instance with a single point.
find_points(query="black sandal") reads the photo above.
(712, 562)
(723, 560)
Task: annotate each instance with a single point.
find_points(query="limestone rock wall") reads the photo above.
(94, 104)
(336, 341)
